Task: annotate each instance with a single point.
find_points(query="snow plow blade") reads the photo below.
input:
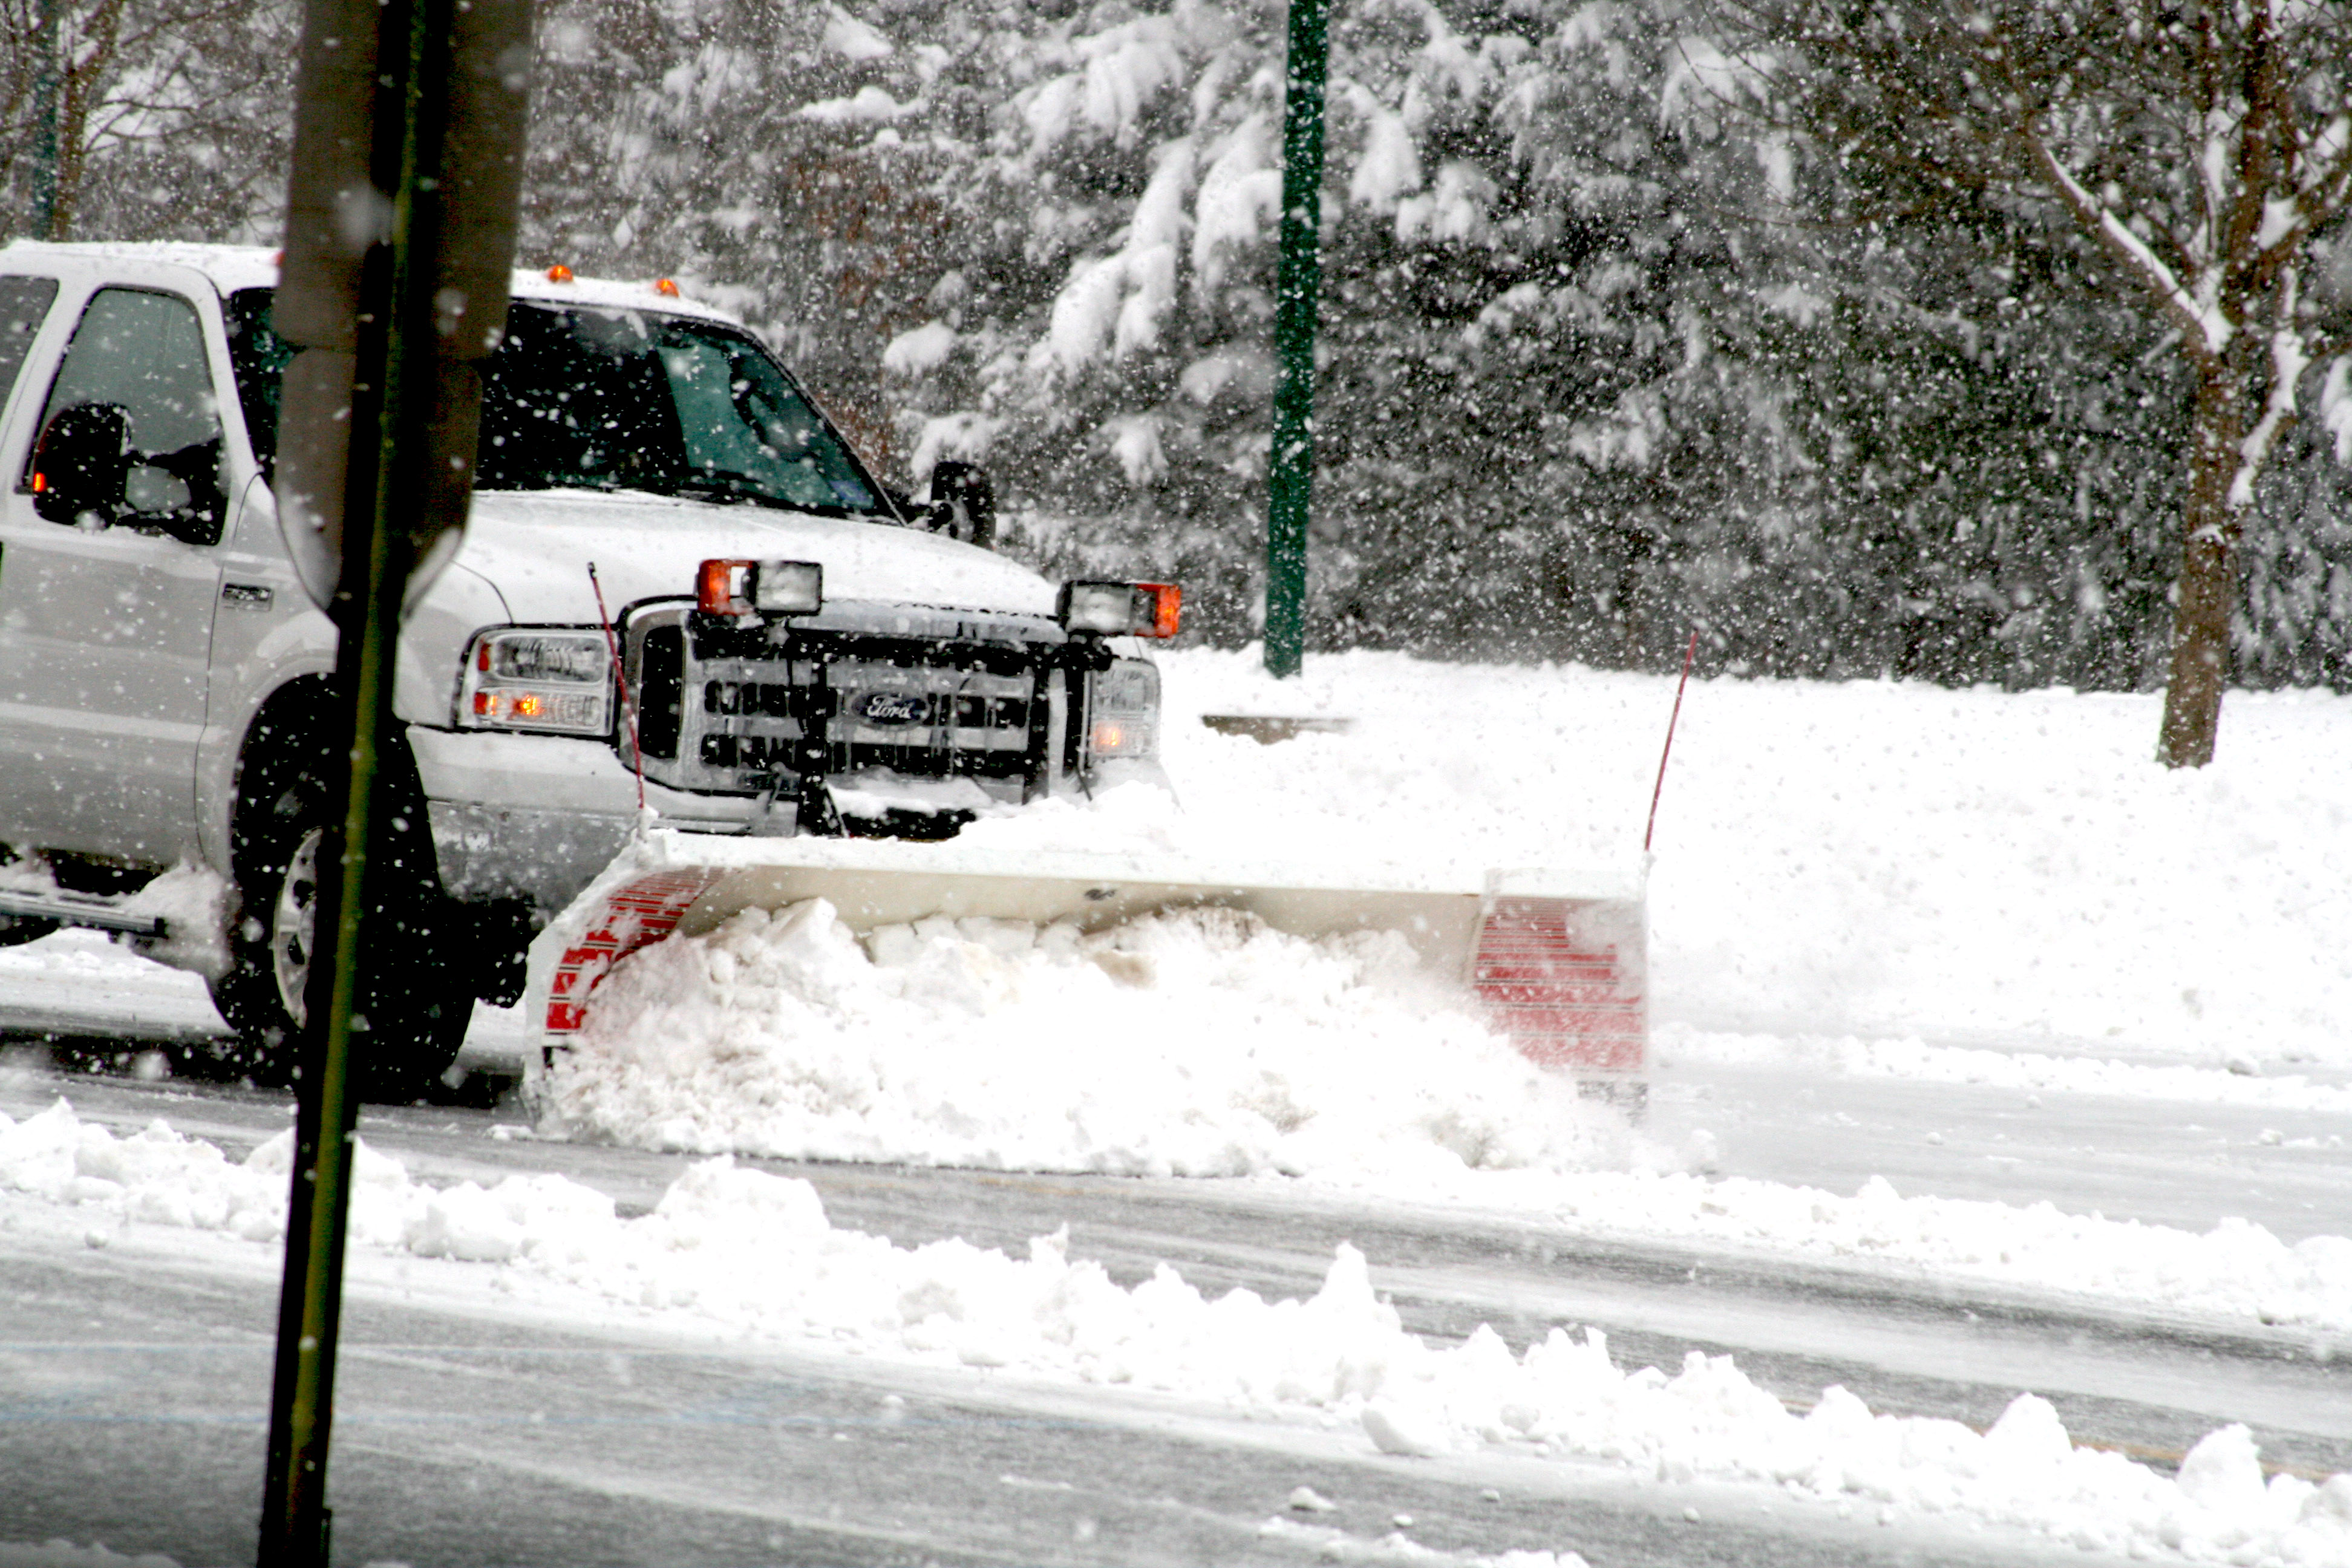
(1560, 968)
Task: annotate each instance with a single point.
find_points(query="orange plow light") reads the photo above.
(718, 588)
(1167, 601)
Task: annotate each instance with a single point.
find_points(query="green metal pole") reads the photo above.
(1290, 468)
(295, 1519)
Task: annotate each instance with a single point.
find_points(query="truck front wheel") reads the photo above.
(414, 1006)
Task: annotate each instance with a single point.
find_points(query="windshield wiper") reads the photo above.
(722, 484)
(727, 484)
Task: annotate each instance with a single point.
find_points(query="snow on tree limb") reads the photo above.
(2212, 328)
(2290, 358)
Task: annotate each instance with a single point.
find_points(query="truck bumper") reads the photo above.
(538, 816)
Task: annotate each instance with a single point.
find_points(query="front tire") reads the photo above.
(412, 1010)
(261, 995)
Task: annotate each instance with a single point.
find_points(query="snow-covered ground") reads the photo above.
(1975, 886)
(1870, 882)
(77, 979)
(1884, 861)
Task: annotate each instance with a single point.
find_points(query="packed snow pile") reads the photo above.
(2235, 1270)
(1199, 1043)
(160, 1176)
(754, 1253)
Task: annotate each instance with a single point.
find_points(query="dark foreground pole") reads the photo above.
(1290, 468)
(400, 230)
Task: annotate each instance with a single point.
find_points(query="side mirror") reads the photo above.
(964, 503)
(175, 494)
(149, 489)
(81, 464)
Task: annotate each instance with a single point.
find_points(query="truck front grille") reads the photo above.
(735, 713)
(925, 720)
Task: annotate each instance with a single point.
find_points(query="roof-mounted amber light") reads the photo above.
(667, 287)
(558, 273)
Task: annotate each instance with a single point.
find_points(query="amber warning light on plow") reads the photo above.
(767, 587)
(1122, 609)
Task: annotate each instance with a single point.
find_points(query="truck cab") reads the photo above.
(772, 642)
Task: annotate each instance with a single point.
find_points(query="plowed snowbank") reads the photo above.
(1198, 1043)
(754, 1253)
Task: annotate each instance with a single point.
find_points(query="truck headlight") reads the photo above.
(522, 678)
(1123, 715)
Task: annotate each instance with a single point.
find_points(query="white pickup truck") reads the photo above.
(801, 651)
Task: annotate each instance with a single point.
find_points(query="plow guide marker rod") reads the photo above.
(1690, 651)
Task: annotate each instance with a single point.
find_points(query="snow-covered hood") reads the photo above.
(534, 548)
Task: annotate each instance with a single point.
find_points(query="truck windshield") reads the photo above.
(606, 399)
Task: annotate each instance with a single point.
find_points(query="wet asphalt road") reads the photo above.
(135, 1389)
(134, 1383)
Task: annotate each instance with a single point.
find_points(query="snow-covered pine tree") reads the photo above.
(1606, 355)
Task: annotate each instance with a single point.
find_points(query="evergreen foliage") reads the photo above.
(1611, 347)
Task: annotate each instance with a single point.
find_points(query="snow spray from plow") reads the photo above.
(1560, 963)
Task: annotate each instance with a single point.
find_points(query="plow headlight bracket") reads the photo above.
(760, 588)
(1121, 609)
(546, 679)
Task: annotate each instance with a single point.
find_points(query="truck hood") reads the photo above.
(534, 547)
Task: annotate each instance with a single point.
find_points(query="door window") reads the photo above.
(131, 434)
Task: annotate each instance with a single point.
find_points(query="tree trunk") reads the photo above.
(2207, 591)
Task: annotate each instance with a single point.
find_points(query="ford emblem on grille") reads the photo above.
(894, 708)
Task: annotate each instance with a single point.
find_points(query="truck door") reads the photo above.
(106, 612)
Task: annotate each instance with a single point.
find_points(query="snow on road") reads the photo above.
(1967, 862)
(2033, 1071)
(81, 977)
(1234, 1050)
(755, 1253)
(1196, 1044)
